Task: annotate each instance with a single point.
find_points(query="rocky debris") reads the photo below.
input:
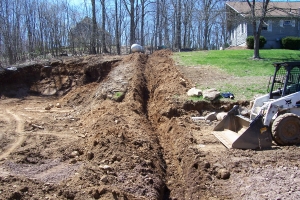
(211, 94)
(90, 155)
(225, 108)
(74, 154)
(49, 91)
(211, 116)
(104, 179)
(243, 110)
(49, 106)
(105, 167)
(182, 81)
(58, 105)
(194, 92)
(223, 174)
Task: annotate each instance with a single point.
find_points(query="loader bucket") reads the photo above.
(237, 132)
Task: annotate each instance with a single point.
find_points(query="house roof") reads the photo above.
(275, 9)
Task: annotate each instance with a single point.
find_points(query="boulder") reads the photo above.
(211, 116)
(221, 116)
(194, 92)
(211, 94)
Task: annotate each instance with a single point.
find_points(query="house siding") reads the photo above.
(275, 30)
(239, 35)
(278, 32)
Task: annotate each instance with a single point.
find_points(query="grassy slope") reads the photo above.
(253, 74)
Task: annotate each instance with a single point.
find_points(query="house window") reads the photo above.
(243, 27)
(287, 23)
(264, 27)
(267, 26)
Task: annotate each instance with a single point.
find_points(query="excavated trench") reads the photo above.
(138, 135)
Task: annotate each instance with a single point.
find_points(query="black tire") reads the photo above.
(286, 129)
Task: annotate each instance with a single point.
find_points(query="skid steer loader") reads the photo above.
(274, 116)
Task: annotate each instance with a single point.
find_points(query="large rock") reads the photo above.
(211, 116)
(221, 116)
(211, 94)
(194, 92)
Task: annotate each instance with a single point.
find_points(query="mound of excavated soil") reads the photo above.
(122, 129)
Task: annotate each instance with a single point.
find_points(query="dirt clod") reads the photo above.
(223, 174)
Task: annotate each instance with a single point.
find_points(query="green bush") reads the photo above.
(250, 42)
(291, 43)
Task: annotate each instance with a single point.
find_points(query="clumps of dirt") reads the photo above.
(173, 125)
(122, 143)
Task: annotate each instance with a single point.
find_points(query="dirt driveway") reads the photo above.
(121, 128)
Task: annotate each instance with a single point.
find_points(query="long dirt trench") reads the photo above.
(136, 136)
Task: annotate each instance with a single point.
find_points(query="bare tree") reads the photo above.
(94, 31)
(178, 25)
(208, 15)
(103, 35)
(32, 28)
(187, 19)
(165, 21)
(118, 46)
(131, 11)
(257, 27)
(144, 5)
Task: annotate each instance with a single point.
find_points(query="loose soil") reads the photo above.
(120, 128)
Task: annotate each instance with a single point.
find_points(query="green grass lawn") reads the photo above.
(239, 63)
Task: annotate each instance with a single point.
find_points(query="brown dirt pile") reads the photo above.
(121, 128)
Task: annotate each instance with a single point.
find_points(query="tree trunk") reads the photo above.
(178, 25)
(103, 36)
(117, 29)
(257, 30)
(132, 24)
(94, 29)
(156, 25)
(142, 22)
(256, 46)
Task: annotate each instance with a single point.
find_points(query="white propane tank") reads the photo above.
(136, 48)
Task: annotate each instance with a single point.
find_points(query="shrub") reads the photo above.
(250, 42)
(291, 43)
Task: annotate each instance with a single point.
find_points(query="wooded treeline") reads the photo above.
(40, 28)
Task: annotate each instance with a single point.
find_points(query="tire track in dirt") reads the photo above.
(44, 131)
(3, 124)
(19, 130)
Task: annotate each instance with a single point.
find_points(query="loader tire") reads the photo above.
(286, 129)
